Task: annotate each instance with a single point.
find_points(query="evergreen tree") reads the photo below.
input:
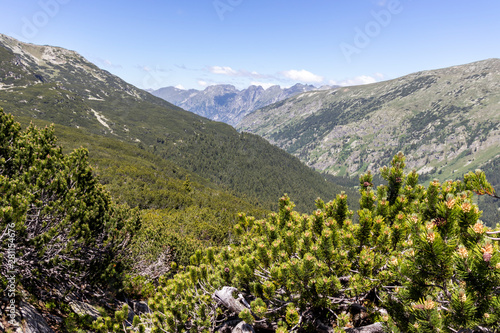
(69, 235)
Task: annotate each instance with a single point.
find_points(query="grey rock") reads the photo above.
(374, 328)
(33, 322)
(226, 103)
(82, 309)
(242, 327)
(139, 307)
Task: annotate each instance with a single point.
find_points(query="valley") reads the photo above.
(323, 209)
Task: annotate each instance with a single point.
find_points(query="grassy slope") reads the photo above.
(446, 122)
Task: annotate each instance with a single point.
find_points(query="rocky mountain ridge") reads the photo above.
(225, 102)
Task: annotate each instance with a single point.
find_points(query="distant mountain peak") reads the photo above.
(50, 84)
(226, 103)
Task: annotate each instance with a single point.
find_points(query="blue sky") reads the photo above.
(195, 43)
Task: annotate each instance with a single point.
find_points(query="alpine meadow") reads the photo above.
(236, 166)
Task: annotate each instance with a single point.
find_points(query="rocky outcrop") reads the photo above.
(83, 309)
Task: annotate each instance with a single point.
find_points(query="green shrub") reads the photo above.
(68, 234)
(421, 254)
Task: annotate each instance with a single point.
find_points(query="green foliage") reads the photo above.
(245, 163)
(424, 256)
(487, 203)
(173, 219)
(118, 323)
(77, 323)
(246, 316)
(68, 231)
(476, 181)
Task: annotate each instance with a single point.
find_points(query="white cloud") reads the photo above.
(224, 70)
(202, 83)
(180, 86)
(358, 80)
(264, 85)
(303, 76)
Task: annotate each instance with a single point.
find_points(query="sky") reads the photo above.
(191, 44)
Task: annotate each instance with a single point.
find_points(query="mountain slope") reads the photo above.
(226, 103)
(60, 86)
(446, 121)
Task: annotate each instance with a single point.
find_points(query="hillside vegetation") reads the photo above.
(111, 195)
(419, 260)
(60, 86)
(177, 204)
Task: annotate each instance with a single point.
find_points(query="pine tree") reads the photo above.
(69, 235)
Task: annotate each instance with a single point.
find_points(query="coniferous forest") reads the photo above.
(230, 166)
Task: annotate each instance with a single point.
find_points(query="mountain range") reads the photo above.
(225, 103)
(446, 121)
(188, 177)
(60, 86)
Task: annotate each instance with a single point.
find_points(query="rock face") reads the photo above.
(446, 121)
(226, 103)
(33, 320)
(242, 327)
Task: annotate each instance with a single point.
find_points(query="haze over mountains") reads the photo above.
(225, 103)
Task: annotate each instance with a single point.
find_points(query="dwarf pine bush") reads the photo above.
(69, 234)
(419, 260)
